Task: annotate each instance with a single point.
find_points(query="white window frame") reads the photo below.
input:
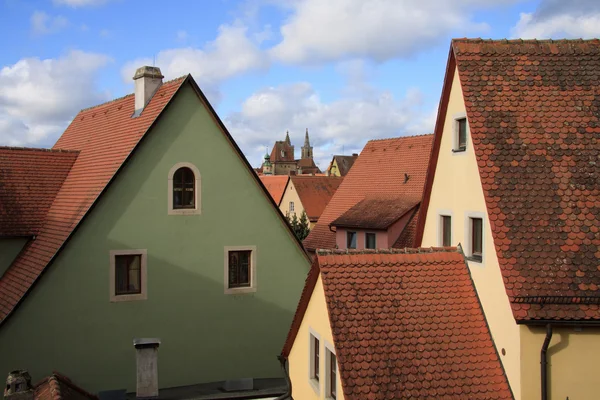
(253, 280)
(468, 239)
(143, 295)
(197, 191)
(291, 207)
(316, 384)
(455, 118)
(440, 226)
(330, 349)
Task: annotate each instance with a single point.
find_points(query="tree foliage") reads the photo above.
(301, 226)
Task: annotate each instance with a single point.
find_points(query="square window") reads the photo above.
(370, 241)
(351, 240)
(240, 269)
(128, 275)
(476, 239)
(446, 222)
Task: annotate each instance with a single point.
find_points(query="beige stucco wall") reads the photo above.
(316, 320)
(291, 194)
(457, 192)
(334, 170)
(572, 363)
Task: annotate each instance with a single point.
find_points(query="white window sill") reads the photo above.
(241, 290)
(315, 385)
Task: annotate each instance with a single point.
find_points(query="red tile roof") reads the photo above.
(288, 152)
(315, 192)
(307, 166)
(379, 170)
(59, 387)
(275, 184)
(406, 325)
(29, 182)
(533, 110)
(375, 212)
(104, 136)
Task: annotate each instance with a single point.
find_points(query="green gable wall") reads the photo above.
(67, 322)
(9, 249)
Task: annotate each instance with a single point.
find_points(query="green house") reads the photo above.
(144, 220)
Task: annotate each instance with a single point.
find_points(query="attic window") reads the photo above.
(460, 133)
(184, 190)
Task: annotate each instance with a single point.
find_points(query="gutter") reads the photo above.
(288, 393)
(544, 362)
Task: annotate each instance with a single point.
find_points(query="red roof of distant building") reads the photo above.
(29, 182)
(275, 184)
(381, 169)
(307, 166)
(534, 119)
(315, 192)
(344, 163)
(59, 387)
(377, 212)
(282, 152)
(414, 312)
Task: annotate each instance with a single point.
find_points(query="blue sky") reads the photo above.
(348, 70)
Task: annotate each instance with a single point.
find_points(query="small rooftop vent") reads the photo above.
(18, 386)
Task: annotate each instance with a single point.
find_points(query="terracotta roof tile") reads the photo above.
(376, 212)
(406, 324)
(59, 387)
(288, 152)
(379, 170)
(315, 192)
(104, 136)
(275, 185)
(29, 182)
(534, 115)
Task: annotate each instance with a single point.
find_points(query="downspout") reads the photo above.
(288, 393)
(544, 362)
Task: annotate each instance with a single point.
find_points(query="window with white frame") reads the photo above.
(351, 240)
(461, 132)
(291, 206)
(128, 275)
(476, 239)
(240, 269)
(331, 374)
(314, 368)
(184, 189)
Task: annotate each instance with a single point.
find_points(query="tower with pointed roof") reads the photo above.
(307, 150)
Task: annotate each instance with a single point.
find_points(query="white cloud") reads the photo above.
(320, 31)
(232, 53)
(43, 24)
(182, 35)
(79, 3)
(341, 125)
(39, 97)
(557, 26)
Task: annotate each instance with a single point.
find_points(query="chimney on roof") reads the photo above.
(147, 367)
(147, 81)
(18, 386)
(354, 154)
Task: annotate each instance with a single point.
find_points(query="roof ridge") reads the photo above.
(399, 137)
(406, 250)
(523, 41)
(67, 381)
(41, 149)
(128, 95)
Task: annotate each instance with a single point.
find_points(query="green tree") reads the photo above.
(301, 227)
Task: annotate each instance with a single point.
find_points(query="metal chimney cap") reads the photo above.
(146, 342)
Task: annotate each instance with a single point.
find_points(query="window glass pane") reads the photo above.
(446, 231)
(239, 268)
(462, 133)
(477, 236)
(333, 377)
(351, 242)
(371, 241)
(128, 274)
(184, 188)
(316, 358)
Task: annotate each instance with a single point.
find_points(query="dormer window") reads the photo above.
(184, 190)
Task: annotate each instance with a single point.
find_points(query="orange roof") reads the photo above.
(104, 136)
(315, 192)
(29, 181)
(414, 312)
(533, 115)
(381, 169)
(275, 185)
(59, 387)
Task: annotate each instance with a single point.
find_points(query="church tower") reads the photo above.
(307, 150)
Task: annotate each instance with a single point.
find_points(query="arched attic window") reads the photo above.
(184, 189)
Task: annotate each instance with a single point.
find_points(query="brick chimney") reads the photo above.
(147, 367)
(18, 386)
(147, 81)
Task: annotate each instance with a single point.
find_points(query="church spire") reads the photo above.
(307, 150)
(287, 137)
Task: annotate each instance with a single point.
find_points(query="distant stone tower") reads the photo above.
(307, 150)
(267, 167)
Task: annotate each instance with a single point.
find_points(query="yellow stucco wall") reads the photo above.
(572, 363)
(334, 170)
(291, 194)
(315, 320)
(457, 192)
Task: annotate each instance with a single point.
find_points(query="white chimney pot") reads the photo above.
(147, 367)
(147, 81)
